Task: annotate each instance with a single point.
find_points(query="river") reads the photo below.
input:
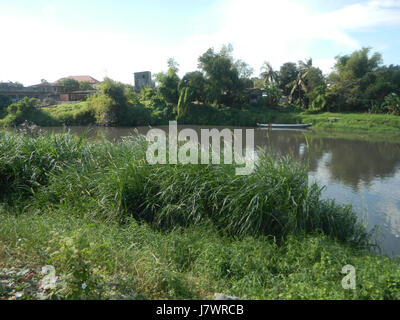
(362, 171)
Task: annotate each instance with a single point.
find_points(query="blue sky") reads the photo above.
(45, 39)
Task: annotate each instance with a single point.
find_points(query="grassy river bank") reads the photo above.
(90, 113)
(113, 226)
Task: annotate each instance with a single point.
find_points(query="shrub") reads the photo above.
(392, 104)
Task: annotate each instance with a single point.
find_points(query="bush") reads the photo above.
(106, 109)
(392, 104)
(25, 110)
(273, 95)
(72, 114)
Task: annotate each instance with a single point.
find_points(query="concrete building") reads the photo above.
(40, 91)
(143, 79)
(46, 90)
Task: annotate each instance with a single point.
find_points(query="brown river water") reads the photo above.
(362, 171)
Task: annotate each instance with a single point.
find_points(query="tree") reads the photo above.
(287, 74)
(297, 89)
(304, 66)
(358, 63)
(111, 107)
(273, 94)
(302, 88)
(268, 74)
(69, 85)
(392, 104)
(223, 83)
(85, 85)
(172, 64)
(115, 90)
(184, 102)
(22, 110)
(299, 86)
(315, 83)
(351, 84)
(169, 82)
(196, 82)
(245, 70)
(320, 99)
(11, 85)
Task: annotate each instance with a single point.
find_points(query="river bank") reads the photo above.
(85, 113)
(356, 122)
(113, 226)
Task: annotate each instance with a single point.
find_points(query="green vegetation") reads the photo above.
(222, 93)
(4, 103)
(71, 85)
(114, 226)
(355, 122)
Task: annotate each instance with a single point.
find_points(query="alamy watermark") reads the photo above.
(349, 281)
(184, 147)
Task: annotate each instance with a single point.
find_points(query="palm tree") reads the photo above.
(300, 83)
(268, 74)
(306, 65)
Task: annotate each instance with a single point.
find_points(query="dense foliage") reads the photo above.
(70, 85)
(358, 83)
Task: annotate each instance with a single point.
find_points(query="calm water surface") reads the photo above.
(362, 172)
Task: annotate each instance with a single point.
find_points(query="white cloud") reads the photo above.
(278, 31)
(281, 31)
(33, 49)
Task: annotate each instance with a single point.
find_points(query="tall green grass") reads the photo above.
(105, 218)
(355, 122)
(26, 161)
(134, 261)
(115, 181)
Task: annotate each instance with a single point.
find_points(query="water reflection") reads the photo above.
(363, 173)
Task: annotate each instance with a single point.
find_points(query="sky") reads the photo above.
(42, 39)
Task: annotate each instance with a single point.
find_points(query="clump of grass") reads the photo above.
(115, 181)
(27, 161)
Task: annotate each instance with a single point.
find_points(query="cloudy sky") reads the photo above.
(42, 39)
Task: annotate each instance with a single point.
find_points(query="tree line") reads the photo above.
(358, 82)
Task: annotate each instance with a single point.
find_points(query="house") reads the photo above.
(254, 95)
(40, 91)
(77, 95)
(46, 90)
(92, 81)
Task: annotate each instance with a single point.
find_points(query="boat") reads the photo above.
(285, 126)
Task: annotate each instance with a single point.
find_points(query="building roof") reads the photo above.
(89, 79)
(46, 84)
(82, 91)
